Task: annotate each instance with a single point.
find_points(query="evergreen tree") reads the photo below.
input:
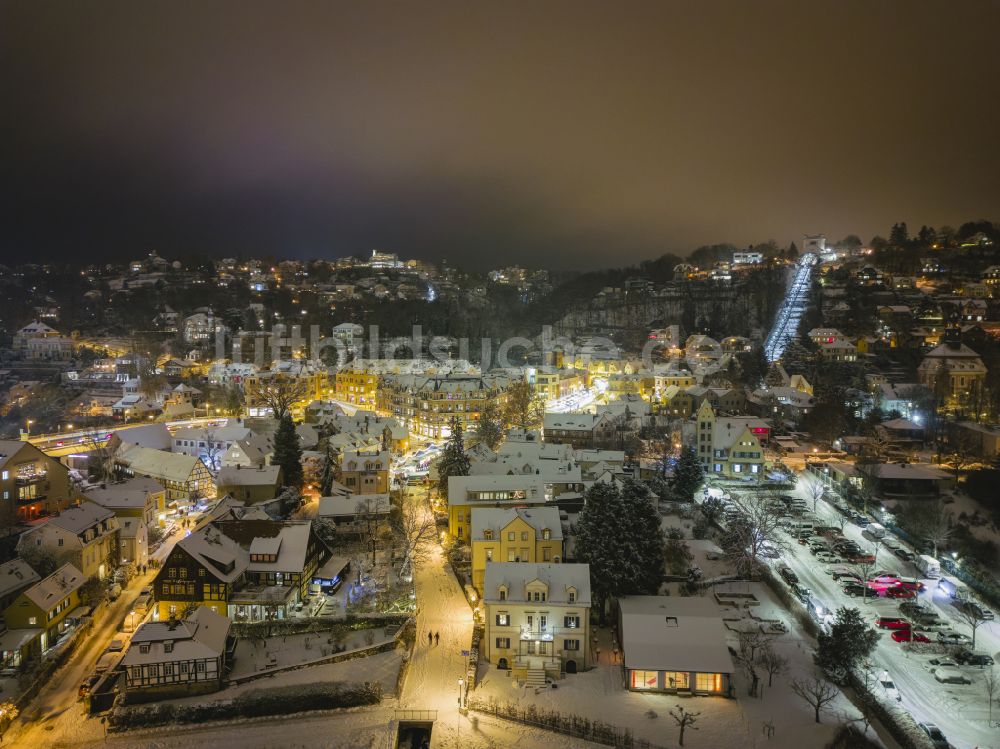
(688, 475)
(287, 452)
(850, 640)
(616, 568)
(453, 460)
(489, 429)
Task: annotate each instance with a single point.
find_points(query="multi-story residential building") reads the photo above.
(467, 492)
(210, 443)
(138, 503)
(32, 484)
(41, 614)
(426, 405)
(357, 383)
(365, 472)
(953, 371)
(246, 569)
(310, 376)
(514, 535)
(40, 342)
(15, 576)
(537, 618)
(730, 447)
(177, 658)
(185, 477)
(88, 536)
(581, 430)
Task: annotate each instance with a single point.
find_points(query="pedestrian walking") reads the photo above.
(430, 638)
(437, 637)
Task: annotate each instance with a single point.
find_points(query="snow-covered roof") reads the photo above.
(202, 635)
(517, 576)
(78, 519)
(129, 494)
(158, 464)
(15, 575)
(155, 436)
(670, 633)
(344, 506)
(57, 586)
(253, 476)
(498, 518)
(217, 552)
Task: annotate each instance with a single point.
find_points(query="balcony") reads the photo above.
(543, 634)
(24, 479)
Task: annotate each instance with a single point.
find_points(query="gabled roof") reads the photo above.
(517, 575)
(16, 575)
(347, 505)
(57, 586)
(158, 464)
(128, 494)
(78, 519)
(671, 633)
(288, 539)
(250, 476)
(498, 518)
(202, 635)
(155, 436)
(218, 553)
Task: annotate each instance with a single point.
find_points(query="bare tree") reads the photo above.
(278, 392)
(752, 531)
(101, 462)
(371, 521)
(773, 663)
(212, 451)
(971, 615)
(414, 527)
(815, 491)
(865, 570)
(684, 719)
(991, 685)
(961, 452)
(751, 644)
(932, 521)
(816, 692)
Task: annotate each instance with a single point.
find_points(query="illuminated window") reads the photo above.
(708, 682)
(645, 679)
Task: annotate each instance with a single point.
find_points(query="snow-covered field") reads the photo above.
(289, 650)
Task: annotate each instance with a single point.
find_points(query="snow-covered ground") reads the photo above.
(289, 650)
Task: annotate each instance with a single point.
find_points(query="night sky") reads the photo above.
(568, 134)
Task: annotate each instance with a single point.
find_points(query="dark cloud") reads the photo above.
(572, 134)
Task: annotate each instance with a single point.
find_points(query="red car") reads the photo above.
(898, 591)
(910, 583)
(908, 635)
(891, 622)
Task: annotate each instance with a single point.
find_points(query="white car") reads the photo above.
(889, 687)
(950, 637)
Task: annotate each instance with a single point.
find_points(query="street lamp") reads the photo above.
(461, 685)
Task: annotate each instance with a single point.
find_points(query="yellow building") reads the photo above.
(357, 384)
(537, 619)
(365, 472)
(506, 491)
(730, 447)
(514, 535)
(426, 404)
(42, 613)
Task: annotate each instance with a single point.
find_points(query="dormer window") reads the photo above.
(488, 535)
(503, 593)
(546, 534)
(571, 596)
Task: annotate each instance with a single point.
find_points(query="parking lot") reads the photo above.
(925, 678)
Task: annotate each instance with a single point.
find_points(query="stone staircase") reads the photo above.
(535, 678)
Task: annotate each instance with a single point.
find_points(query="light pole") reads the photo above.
(461, 685)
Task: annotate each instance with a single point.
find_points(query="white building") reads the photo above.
(537, 618)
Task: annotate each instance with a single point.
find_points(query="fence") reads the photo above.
(568, 725)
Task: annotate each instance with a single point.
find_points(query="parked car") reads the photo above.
(949, 637)
(950, 676)
(973, 608)
(937, 738)
(897, 591)
(854, 589)
(861, 558)
(943, 661)
(910, 583)
(905, 555)
(968, 658)
(890, 543)
(802, 593)
(116, 645)
(891, 622)
(788, 575)
(889, 687)
(908, 635)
